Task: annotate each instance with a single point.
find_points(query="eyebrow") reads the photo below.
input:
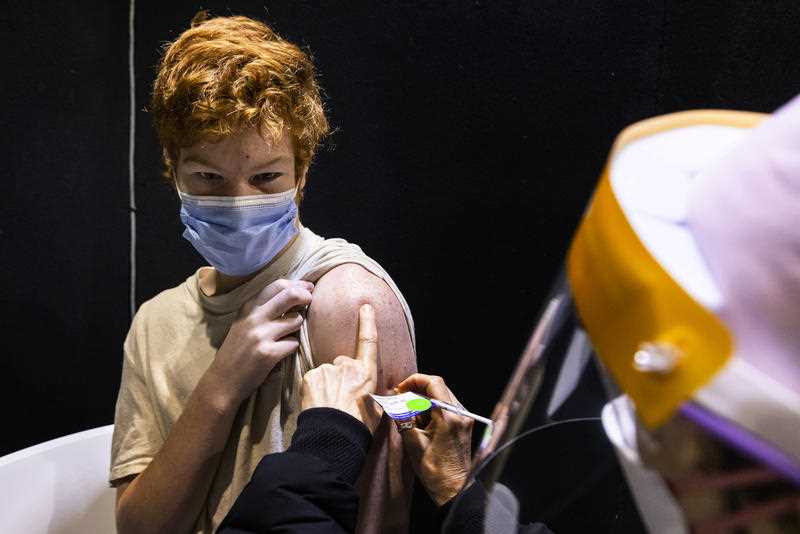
(198, 160)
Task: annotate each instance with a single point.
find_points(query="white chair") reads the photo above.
(59, 487)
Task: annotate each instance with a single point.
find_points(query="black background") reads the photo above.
(469, 136)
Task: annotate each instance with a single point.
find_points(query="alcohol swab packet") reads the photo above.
(407, 405)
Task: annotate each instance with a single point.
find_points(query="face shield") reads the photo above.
(660, 389)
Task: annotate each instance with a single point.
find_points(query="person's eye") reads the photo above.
(266, 177)
(208, 176)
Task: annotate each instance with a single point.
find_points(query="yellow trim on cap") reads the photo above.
(625, 298)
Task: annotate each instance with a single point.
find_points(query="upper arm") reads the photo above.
(137, 436)
(386, 480)
(333, 322)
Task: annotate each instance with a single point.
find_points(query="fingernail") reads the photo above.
(366, 308)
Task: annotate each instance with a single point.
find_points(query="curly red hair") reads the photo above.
(227, 74)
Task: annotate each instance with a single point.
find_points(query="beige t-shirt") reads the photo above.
(173, 340)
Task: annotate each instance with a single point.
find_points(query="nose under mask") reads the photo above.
(239, 235)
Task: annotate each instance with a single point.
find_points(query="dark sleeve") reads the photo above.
(310, 487)
(469, 515)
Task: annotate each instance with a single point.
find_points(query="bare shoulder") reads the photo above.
(333, 320)
(351, 284)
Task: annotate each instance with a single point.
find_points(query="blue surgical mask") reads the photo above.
(239, 235)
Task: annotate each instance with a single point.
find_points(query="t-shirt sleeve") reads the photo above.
(137, 437)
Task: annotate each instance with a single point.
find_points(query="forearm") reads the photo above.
(169, 494)
(385, 484)
(401, 480)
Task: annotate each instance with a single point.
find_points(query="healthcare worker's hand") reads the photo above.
(346, 384)
(440, 452)
(259, 338)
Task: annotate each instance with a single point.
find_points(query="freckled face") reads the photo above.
(239, 165)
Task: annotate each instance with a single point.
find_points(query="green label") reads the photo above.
(418, 405)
